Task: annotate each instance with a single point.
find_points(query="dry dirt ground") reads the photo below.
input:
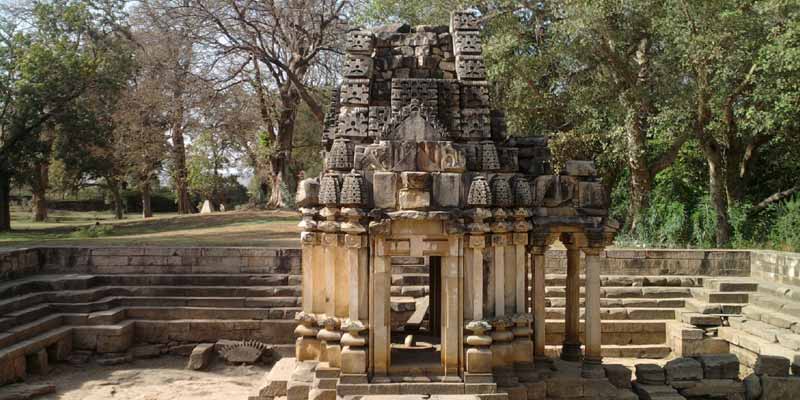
(163, 378)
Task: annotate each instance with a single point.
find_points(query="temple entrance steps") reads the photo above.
(107, 313)
(410, 291)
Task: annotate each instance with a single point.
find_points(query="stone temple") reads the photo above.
(419, 164)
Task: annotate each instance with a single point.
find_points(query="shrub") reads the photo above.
(785, 234)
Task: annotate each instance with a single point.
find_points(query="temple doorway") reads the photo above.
(416, 317)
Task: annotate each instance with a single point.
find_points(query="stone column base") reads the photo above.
(571, 352)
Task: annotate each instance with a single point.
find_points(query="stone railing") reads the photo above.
(663, 262)
(109, 260)
(776, 266)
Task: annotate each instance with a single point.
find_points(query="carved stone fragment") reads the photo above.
(360, 42)
(470, 68)
(353, 122)
(377, 156)
(307, 193)
(384, 190)
(522, 191)
(464, 21)
(509, 159)
(355, 92)
(357, 66)
(475, 124)
(475, 94)
(353, 192)
(466, 42)
(405, 156)
(425, 91)
(446, 190)
(378, 118)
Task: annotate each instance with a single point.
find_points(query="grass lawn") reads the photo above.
(234, 228)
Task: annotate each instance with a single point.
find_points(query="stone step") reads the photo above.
(772, 317)
(702, 307)
(777, 303)
(410, 279)
(730, 284)
(403, 304)
(219, 313)
(197, 279)
(211, 330)
(43, 283)
(25, 315)
(759, 329)
(410, 269)
(784, 291)
(631, 281)
(624, 332)
(619, 313)
(626, 303)
(410, 290)
(28, 330)
(653, 292)
(650, 351)
(721, 297)
(754, 345)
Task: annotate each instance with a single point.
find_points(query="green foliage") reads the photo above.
(93, 231)
(785, 234)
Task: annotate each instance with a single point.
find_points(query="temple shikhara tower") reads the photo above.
(418, 165)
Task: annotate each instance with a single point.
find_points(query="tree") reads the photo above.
(54, 57)
(279, 47)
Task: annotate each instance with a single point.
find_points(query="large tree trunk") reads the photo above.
(147, 210)
(282, 157)
(39, 190)
(641, 182)
(5, 201)
(719, 196)
(116, 198)
(179, 160)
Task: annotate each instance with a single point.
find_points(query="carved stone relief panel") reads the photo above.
(464, 21)
(355, 92)
(405, 90)
(353, 122)
(378, 118)
(470, 68)
(475, 124)
(475, 94)
(467, 42)
(357, 66)
(360, 42)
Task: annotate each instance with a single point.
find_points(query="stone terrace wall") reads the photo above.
(167, 260)
(776, 266)
(18, 263)
(654, 262)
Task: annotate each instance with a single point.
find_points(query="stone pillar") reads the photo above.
(473, 292)
(329, 337)
(451, 308)
(307, 346)
(592, 361)
(357, 288)
(521, 265)
(498, 271)
(354, 353)
(523, 346)
(309, 241)
(502, 348)
(330, 241)
(479, 355)
(380, 317)
(571, 349)
(538, 303)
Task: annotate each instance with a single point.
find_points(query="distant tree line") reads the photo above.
(116, 94)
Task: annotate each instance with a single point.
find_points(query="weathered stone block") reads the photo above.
(200, 356)
(683, 369)
(354, 361)
(412, 199)
(719, 366)
(470, 68)
(357, 66)
(384, 186)
(650, 374)
(479, 360)
(771, 365)
(446, 190)
(618, 375)
(715, 388)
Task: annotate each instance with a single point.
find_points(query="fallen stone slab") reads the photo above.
(683, 369)
(650, 374)
(771, 365)
(619, 375)
(656, 392)
(182, 349)
(779, 388)
(719, 366)
(146, 351)
(25, 391)
(200, 356)
(109, 359)
(714, 388)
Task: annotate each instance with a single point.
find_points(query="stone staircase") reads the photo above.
(636, 311)
(409, 293)
(49, 315)
(769, 325)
